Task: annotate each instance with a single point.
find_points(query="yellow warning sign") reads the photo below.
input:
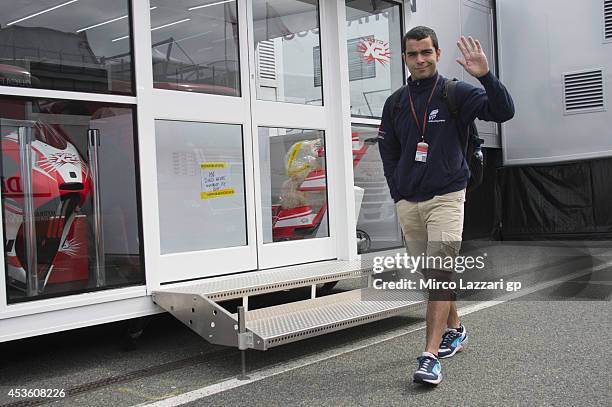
(216, 194)
(213, 165)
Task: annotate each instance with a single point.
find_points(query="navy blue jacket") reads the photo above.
(446, 169)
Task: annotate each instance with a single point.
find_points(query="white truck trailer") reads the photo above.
(149, 168)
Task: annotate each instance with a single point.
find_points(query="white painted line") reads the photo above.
(279, 369)
(593, 282)
(342, 350)
(541, 286)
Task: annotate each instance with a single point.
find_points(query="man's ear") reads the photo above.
(438, 53)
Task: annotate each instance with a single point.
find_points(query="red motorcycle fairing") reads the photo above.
(60, 187)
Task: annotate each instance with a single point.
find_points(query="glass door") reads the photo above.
(199, 113)
(290, 130)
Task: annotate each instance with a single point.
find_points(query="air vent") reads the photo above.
(607, 20)
(316, 62)
(266, 60)
(583, 91)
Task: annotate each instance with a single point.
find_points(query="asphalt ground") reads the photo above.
(539, 350)
(520, 353)
(91, 364)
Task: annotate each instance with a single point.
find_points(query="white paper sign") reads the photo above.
(215, 180)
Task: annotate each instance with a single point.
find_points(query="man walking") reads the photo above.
(427, 173)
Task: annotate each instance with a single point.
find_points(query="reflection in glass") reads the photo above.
(286, 32)
(374, 37)
(69, 200)
(200, 178)
(66, 45)
(377, 226)
(195, 46)
(294, 184)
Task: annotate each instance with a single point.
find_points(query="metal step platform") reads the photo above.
(274, 326)
(196, 304)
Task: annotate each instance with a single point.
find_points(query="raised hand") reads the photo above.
(474, 59)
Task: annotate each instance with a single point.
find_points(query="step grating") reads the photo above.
(291, 322)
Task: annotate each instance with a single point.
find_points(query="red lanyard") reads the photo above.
(414, 116)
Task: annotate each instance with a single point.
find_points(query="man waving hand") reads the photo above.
(427, 173)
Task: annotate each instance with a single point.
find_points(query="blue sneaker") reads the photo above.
(453, 341)
(429, 371)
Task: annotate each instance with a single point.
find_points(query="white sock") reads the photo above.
(431, 355)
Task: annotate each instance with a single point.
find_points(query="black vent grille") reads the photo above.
(608, 20)
(583, 91)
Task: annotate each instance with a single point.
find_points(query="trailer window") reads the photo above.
(70, 207)
(66, 45)
(294, 184)
(374, 36)
(285, 33)
(195, 46)
(377, 225)
(200, 179)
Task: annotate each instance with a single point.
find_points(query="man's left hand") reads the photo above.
(474, 59)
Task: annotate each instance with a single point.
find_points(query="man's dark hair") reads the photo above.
(420, 33)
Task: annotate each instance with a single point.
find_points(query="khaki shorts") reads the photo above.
(433, 227)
